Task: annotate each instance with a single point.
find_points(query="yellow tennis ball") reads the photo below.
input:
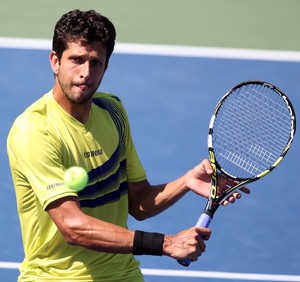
(76, 178)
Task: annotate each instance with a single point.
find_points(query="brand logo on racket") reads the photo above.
(214, 180)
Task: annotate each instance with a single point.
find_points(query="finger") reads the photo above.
(228, 200)
(194, 258)
(203, 233)
(202, 247)
(206, 165)
(245, 190)
(229, 181)
(225, 203)
(232, 183)
(223, 184)
(236, 195)
(233, 196)
(231, 199)
(197, 252)
(226, 183)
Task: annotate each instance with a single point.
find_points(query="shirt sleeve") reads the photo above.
(35, 160)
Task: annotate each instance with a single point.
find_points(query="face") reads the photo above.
(79, 72)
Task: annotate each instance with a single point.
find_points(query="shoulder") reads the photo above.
(104, 99)
(110, 103)
(32, 123)
(106, 95)
(32, 117)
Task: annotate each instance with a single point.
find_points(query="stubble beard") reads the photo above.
(82, 99)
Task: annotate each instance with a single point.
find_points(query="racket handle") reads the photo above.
(203, 221)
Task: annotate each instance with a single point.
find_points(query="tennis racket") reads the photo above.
(250, 131)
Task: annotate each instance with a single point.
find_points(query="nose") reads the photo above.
(85, 70)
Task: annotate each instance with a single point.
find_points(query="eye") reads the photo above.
(96, 63)
(78, 60)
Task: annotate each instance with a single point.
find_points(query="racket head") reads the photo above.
(250, 131)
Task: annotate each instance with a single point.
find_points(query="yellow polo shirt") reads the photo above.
(43, 142)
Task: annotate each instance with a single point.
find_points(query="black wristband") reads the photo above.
(147, 243)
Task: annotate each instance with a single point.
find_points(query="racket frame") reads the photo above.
(214, 201)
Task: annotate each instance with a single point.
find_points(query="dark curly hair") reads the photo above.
(85, 27)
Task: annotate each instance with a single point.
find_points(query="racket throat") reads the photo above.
(209, 213)
(211, 208)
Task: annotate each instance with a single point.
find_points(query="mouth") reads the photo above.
(83, 86)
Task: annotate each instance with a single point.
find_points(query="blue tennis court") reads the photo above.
(169, 100)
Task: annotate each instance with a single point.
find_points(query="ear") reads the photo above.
(54, 62)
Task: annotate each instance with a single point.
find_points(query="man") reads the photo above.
(84, 237)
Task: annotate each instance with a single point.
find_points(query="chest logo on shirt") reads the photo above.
(92, 154)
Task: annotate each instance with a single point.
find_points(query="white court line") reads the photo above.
(9, 265)
(168, 50)
(220, 275)
(196, 274)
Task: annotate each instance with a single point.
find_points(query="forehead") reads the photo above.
(82, 47)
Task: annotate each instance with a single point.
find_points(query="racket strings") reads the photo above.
(268, 115)
(252, 128)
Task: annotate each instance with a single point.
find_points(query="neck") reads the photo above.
(81, 112)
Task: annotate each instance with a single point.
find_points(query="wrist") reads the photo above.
(186, 178)
(148, 243)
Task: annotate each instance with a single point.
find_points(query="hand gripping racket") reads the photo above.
(250, 131)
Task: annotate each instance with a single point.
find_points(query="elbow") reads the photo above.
(71, 234)
(71, 238)
(139, 214)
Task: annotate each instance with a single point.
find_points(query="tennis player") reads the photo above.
(84, 237)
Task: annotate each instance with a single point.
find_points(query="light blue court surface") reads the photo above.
(169, 100)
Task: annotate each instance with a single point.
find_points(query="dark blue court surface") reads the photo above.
(169, 102)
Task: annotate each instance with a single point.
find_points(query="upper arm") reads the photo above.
(137, 191)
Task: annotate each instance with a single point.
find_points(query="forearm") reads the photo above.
(164, 196)
(149, 200)
(81, 229)
(101, 236)
(105, 237)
